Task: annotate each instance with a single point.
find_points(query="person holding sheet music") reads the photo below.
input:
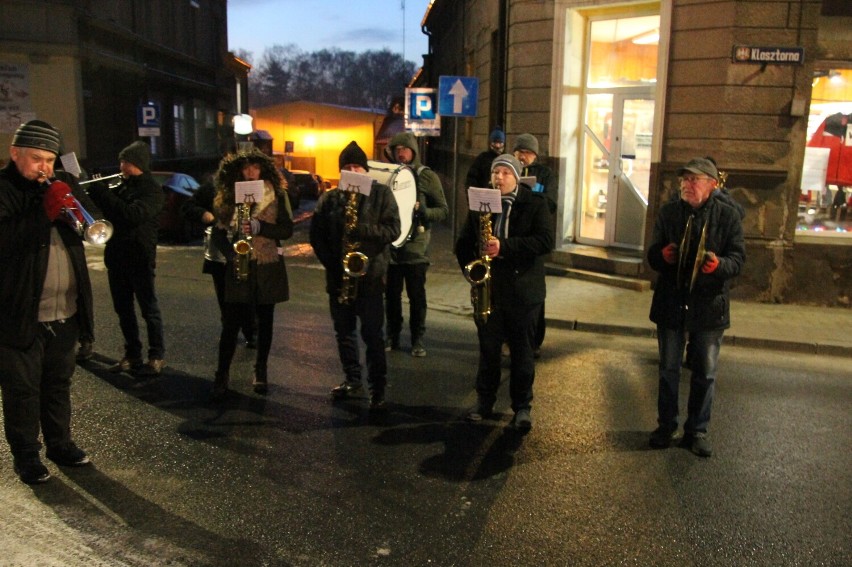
(522, 235)
(250, 177)
(347, 220)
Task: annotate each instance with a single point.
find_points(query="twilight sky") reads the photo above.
(349, 25)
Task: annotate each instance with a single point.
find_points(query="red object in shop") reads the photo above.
(832, 134)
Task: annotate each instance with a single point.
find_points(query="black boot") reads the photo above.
(260, 384)
(220, 386)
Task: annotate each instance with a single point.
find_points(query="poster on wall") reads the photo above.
(15, 105)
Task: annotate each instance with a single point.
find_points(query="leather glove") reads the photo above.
(670, 253)
(711, 262)
(59, 203)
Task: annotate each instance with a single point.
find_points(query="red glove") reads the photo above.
(58, 202)
(670, 253)
(710, 264)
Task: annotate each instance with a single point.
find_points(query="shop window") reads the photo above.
(826, 198)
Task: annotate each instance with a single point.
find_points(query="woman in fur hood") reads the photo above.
(271, 222)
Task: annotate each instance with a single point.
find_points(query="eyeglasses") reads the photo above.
(691, 179)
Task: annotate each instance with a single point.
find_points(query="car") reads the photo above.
(305, 184)
(177, 189)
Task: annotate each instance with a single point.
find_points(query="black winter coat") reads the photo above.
(378, 226)
(24, 250)
(707, 307)
(517, 274)
(134, 209)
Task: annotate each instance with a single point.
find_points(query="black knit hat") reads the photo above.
(352, 154)
(138, 154)
(37, 134)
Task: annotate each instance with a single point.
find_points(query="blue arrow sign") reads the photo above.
(457, 96)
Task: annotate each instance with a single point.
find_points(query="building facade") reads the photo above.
(619, 94)
(108, 72)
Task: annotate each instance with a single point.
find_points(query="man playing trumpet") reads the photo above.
(133, 208)
(697, 248)
(521, 238)
(47, 299)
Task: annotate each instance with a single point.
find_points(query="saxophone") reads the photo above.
(242, 245)
(354, 262)
(478, 274)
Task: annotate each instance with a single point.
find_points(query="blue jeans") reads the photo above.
(705, 347)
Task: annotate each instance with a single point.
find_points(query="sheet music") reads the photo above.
(355, 182)
(248, 191)
(484, 200)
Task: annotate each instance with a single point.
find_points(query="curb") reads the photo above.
(651, 333)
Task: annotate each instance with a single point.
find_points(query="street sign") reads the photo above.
(148, 119)
(421, 112)
(768, 55)
(457, 96)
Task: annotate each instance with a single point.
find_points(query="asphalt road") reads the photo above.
(295, 479)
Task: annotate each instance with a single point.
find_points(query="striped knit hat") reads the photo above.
(37, 134)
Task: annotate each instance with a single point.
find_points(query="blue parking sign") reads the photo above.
(457, 96)
(422, 104)
(421, 112)
(148, 119)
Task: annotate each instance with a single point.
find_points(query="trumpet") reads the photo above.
(478, 275)
(683, 266)
(243, 246)
(96, 232)
(95, 178)
(354, 261)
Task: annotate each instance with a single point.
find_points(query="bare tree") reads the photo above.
(365, 80)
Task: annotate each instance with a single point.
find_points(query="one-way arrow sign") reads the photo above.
(457, 96)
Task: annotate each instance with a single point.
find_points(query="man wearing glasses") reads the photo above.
(697, 248)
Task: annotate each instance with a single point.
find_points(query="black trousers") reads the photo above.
(517, 325)
(234, 317)
(131, 279)
(36, 387)
(413, 277)
(368, 309)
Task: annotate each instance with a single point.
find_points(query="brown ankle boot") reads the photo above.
(220, 386)
(260, 384)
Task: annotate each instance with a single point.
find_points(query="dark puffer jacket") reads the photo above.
(378, 226)
(517, 273)
(24, 249)
(707, 306)
(134, 209)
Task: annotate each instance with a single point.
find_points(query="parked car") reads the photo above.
(177, 188)
(305, 184)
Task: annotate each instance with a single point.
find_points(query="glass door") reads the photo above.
(618, 119)
(616, 169)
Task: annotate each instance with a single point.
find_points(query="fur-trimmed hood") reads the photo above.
(230, 172)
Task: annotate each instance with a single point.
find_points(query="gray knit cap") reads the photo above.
(510, 161)
(526, 142)
(37, 134)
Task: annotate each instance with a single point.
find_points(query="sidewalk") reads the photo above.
(594, 307)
